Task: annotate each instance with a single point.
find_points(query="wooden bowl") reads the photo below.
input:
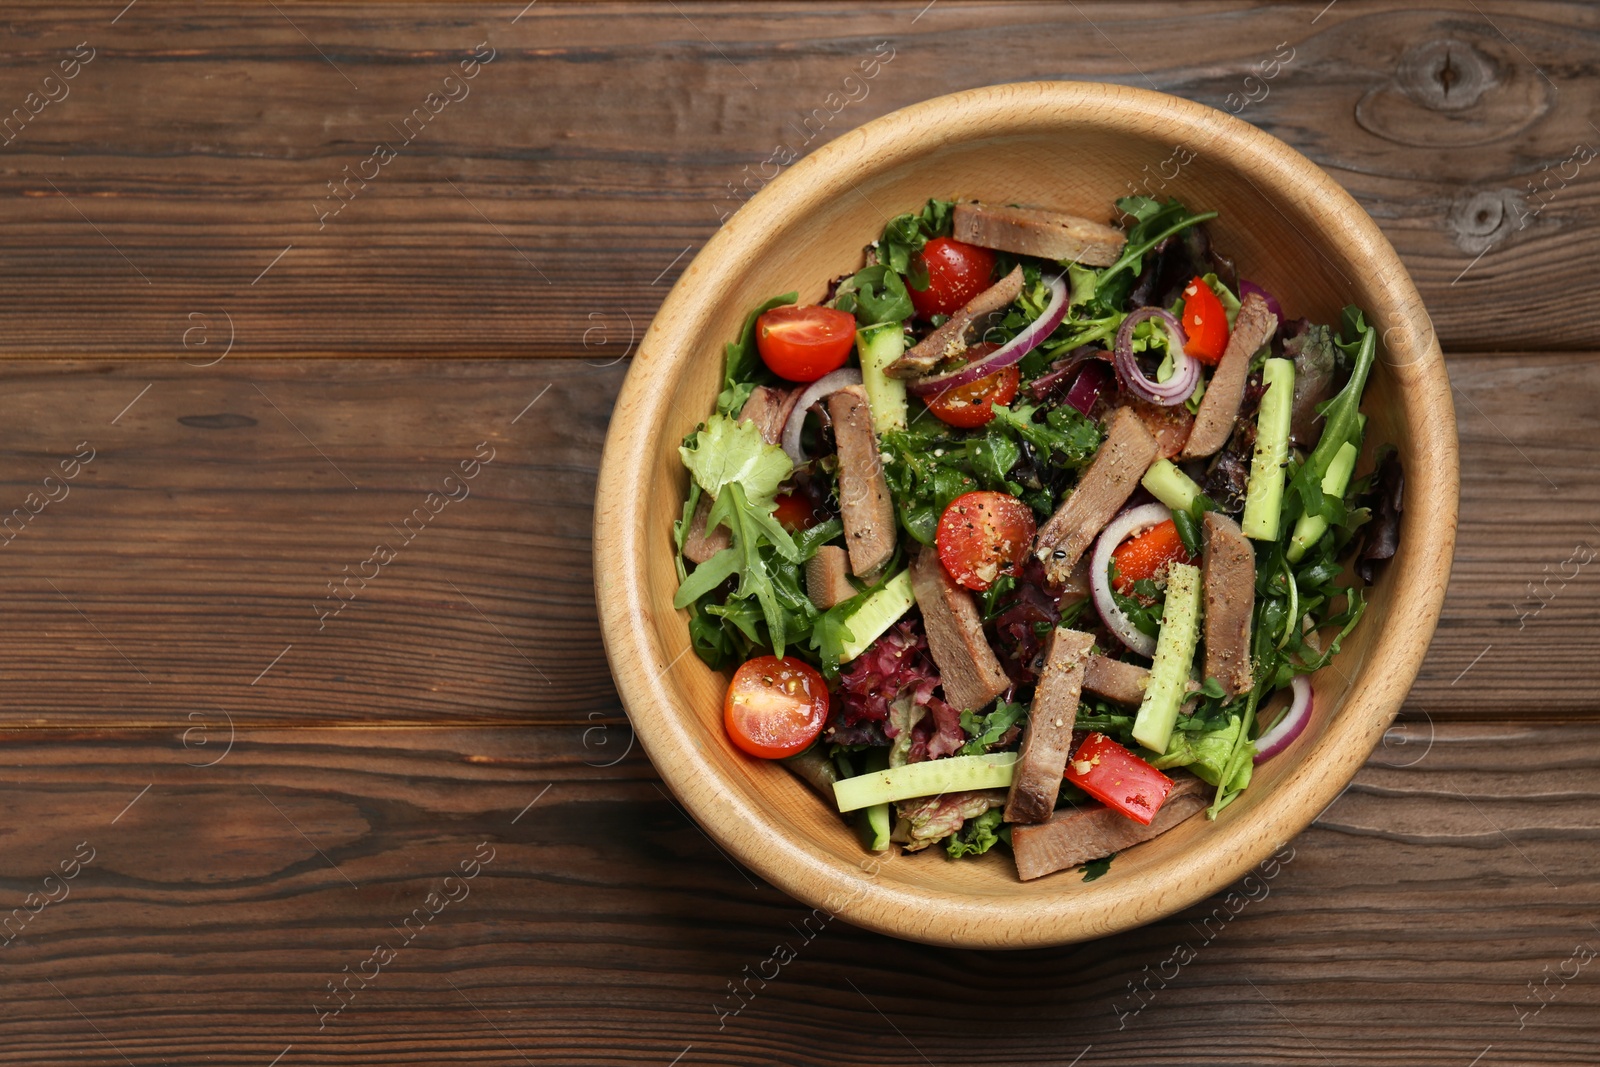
(1077, 147)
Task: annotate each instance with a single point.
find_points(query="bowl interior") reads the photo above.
(1289, 228)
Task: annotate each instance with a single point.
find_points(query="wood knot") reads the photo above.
(1455, 90)
(1445, 75)
(1486, 218)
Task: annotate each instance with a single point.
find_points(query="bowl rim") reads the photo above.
(622, 534)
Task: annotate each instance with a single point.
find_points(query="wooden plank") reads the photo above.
(297, 542)
(200, 542)
(1518, 634)
(220, 903)
(578, 171)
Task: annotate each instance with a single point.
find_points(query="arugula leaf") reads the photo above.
(1095, 868)
(724, 452)
(1189, 532)
(1143, 606)
(874, 294)
(749, 528)
(993, 600)
(1360, 343)
(986, 730)
(742, 365)
(1154, 222)
(1067, 436)
(680, 528)
(926, 469)
(905, 235)
(806, 542)
(1071, 613)
(712, 641)
(1115, 725)
(977, 836)
(991, 458)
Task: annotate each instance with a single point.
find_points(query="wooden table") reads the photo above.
(400, 818)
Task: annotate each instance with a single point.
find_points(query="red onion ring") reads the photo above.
(1013, 350)
(1186, 370)
(828, 383)
(1291, 725)
(1248, 287)
(1116, 532)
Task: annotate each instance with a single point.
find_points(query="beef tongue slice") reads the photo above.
(971, 674)
(827, 577)
(1037, 231)
(865, 506)
(1047, 739)
(1228, 570)
(1124, 456)
(1117, 681)
(1074, 836)
(1252, 328)
(768, 409)
(951, 339)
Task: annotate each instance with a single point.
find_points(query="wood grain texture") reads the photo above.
(606, 929)
(200, 143)
(1518, 633)
(201, 548)
(600, 147)
(200, 543)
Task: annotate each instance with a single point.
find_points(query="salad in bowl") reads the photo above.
(1030, 533)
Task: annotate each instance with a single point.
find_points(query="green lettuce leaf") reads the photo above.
(1207, 754)
(725, 451)
(977, 836)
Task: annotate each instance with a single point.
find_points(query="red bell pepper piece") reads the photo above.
(1118, 779)
(1149, 555)
(1204, 322)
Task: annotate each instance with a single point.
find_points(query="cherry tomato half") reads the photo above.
(795, 512)
(804, 343)
(957, 272)
(1149, 555)
(1118, 779)
(983, 535)
(1205, 323)
(775, 707)
(972, 405)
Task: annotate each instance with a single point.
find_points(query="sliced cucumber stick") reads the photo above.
(1309, 530)
(1169, 671)
(1171, 486)
(1263, 498)
(878, 346)
(953, 775)
(876, 614)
